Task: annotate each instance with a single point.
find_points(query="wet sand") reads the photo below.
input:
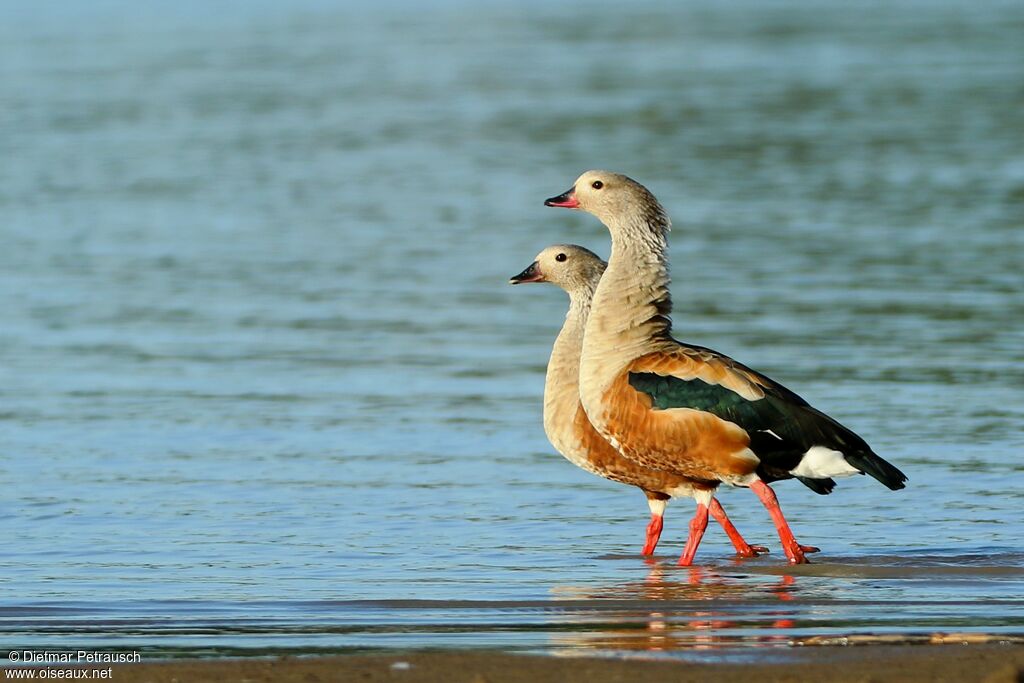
(987, 663)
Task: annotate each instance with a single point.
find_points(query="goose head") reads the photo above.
(616, 200)
(575, 269)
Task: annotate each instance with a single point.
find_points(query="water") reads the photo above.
(263, 387)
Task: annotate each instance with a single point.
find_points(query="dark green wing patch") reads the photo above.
(672, 392)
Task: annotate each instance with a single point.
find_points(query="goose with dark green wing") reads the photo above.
(687, 409)
(789, 437)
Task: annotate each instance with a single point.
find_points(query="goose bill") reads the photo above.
(565, 200)
(531, 274)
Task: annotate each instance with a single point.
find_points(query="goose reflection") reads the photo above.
(676, 608)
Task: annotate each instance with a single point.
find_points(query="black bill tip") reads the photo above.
(530, 274)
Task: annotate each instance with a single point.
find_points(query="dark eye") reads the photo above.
(561, 257)
(597, 184)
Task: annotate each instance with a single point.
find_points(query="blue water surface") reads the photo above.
(263, 386)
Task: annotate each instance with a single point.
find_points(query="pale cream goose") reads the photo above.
(683, 408)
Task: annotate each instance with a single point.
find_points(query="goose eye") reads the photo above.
(561, 257)
(597, 184)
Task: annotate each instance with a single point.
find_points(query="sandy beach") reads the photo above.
(989, 663)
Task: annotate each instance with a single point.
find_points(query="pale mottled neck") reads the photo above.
(563, 368)
(632, 304)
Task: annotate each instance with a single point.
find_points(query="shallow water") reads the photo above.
(264, 387)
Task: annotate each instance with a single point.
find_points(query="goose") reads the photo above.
(687, 409)
(577, 271)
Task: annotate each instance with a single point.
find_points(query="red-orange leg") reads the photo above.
(743, 549)
(697, 526)
(653, 534)
(794, 551)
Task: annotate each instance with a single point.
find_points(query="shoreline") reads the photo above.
(987, 663)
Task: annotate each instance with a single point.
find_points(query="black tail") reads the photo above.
(877, 467)
(822, 487)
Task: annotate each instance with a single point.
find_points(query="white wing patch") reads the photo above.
(820, 463)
